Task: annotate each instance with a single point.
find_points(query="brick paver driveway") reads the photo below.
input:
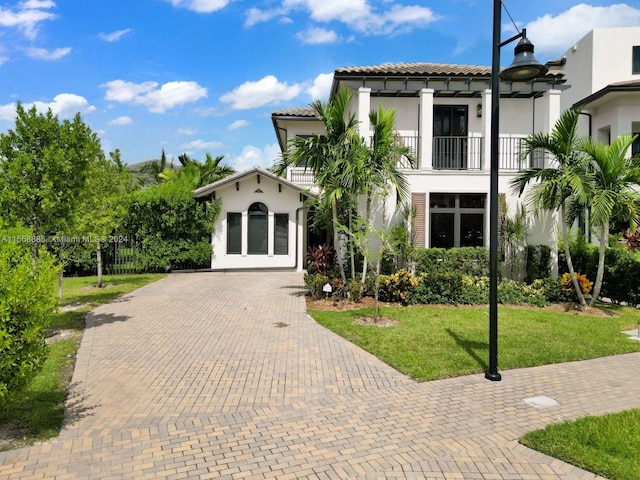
(222, 375)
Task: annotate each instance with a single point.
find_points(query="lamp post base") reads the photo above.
(493, 376)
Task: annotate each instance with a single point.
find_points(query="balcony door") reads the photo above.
(450, 144)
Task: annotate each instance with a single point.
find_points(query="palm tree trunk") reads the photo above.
(351, 249)
(367, 217)
(604, 234)
(336, 240)
(567, 253)
(376, 308)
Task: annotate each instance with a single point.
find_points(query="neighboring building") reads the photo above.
(604, 70)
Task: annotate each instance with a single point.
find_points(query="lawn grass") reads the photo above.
(432, 342)
(36, 413)
(606, 445)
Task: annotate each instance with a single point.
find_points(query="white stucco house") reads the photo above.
(262, 223)
(442, 115)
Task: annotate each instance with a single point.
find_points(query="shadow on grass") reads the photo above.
(471, 347)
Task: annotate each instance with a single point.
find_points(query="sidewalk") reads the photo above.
(222, 375)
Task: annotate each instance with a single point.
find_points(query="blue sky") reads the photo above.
(196, 76)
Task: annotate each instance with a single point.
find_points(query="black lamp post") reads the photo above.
(524, 67)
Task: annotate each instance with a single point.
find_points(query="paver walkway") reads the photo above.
(222, 375)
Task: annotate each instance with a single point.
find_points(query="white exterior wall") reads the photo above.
(601, 57)
(238, 201)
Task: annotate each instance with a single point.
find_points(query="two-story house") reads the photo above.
(442, 116)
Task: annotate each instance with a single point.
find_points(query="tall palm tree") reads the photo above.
(613, 180)
(327, 154)
(556, 186)
(380, 174)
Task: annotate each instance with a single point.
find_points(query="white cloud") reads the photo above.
(44, 54)
(254, 156)
(114, 36)
(200, 145)
(316, 36)
(157, 100)
(3, 59)
(27, 16)
(263, 92)
(321, 87)
(358, 15)
(201, 6)
(121, 121)
(64, 105)
(554, 34)
(186, 131)
(8, 112)
(238, 124)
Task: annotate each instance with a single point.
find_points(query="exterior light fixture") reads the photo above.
(524, 67)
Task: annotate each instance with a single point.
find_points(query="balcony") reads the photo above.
(454, 154)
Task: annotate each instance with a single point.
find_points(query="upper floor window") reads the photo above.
(635, 68)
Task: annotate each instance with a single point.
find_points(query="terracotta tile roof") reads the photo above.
(416, 69)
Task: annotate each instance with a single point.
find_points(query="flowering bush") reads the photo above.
(399, 287)
(568, 292)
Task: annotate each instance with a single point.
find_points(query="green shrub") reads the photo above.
(356, 290)
(473, 261)
(439, 288)
(399, 286)
(314, 283)
(538, 262)
(475, 290)
(621, 282)
(27, 302)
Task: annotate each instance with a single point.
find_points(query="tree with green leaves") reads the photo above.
(43, 169)
(613, 180)
(381, 175)
(559, 185)
(103, 208)
(197, 173)
(327, 155)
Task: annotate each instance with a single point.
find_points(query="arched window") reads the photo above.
(258, 230)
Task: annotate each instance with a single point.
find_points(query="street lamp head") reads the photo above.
(524, 66)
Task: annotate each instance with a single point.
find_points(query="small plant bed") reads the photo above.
(607, 446)
(35, 414)
(435, 341)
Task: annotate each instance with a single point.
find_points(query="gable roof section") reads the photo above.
(614, 88)
(212, 187)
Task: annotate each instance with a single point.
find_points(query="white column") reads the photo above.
(364, 107)
(426, 129)
(552, 98)
(486, 130)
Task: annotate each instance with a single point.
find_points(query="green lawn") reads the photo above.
(432, 342)
(608, 446)
(36, 413)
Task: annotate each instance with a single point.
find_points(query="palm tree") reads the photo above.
(613, 179)
(196, 173)
(154, 168)
(380, 173)
(326, 155)
(560, 183)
